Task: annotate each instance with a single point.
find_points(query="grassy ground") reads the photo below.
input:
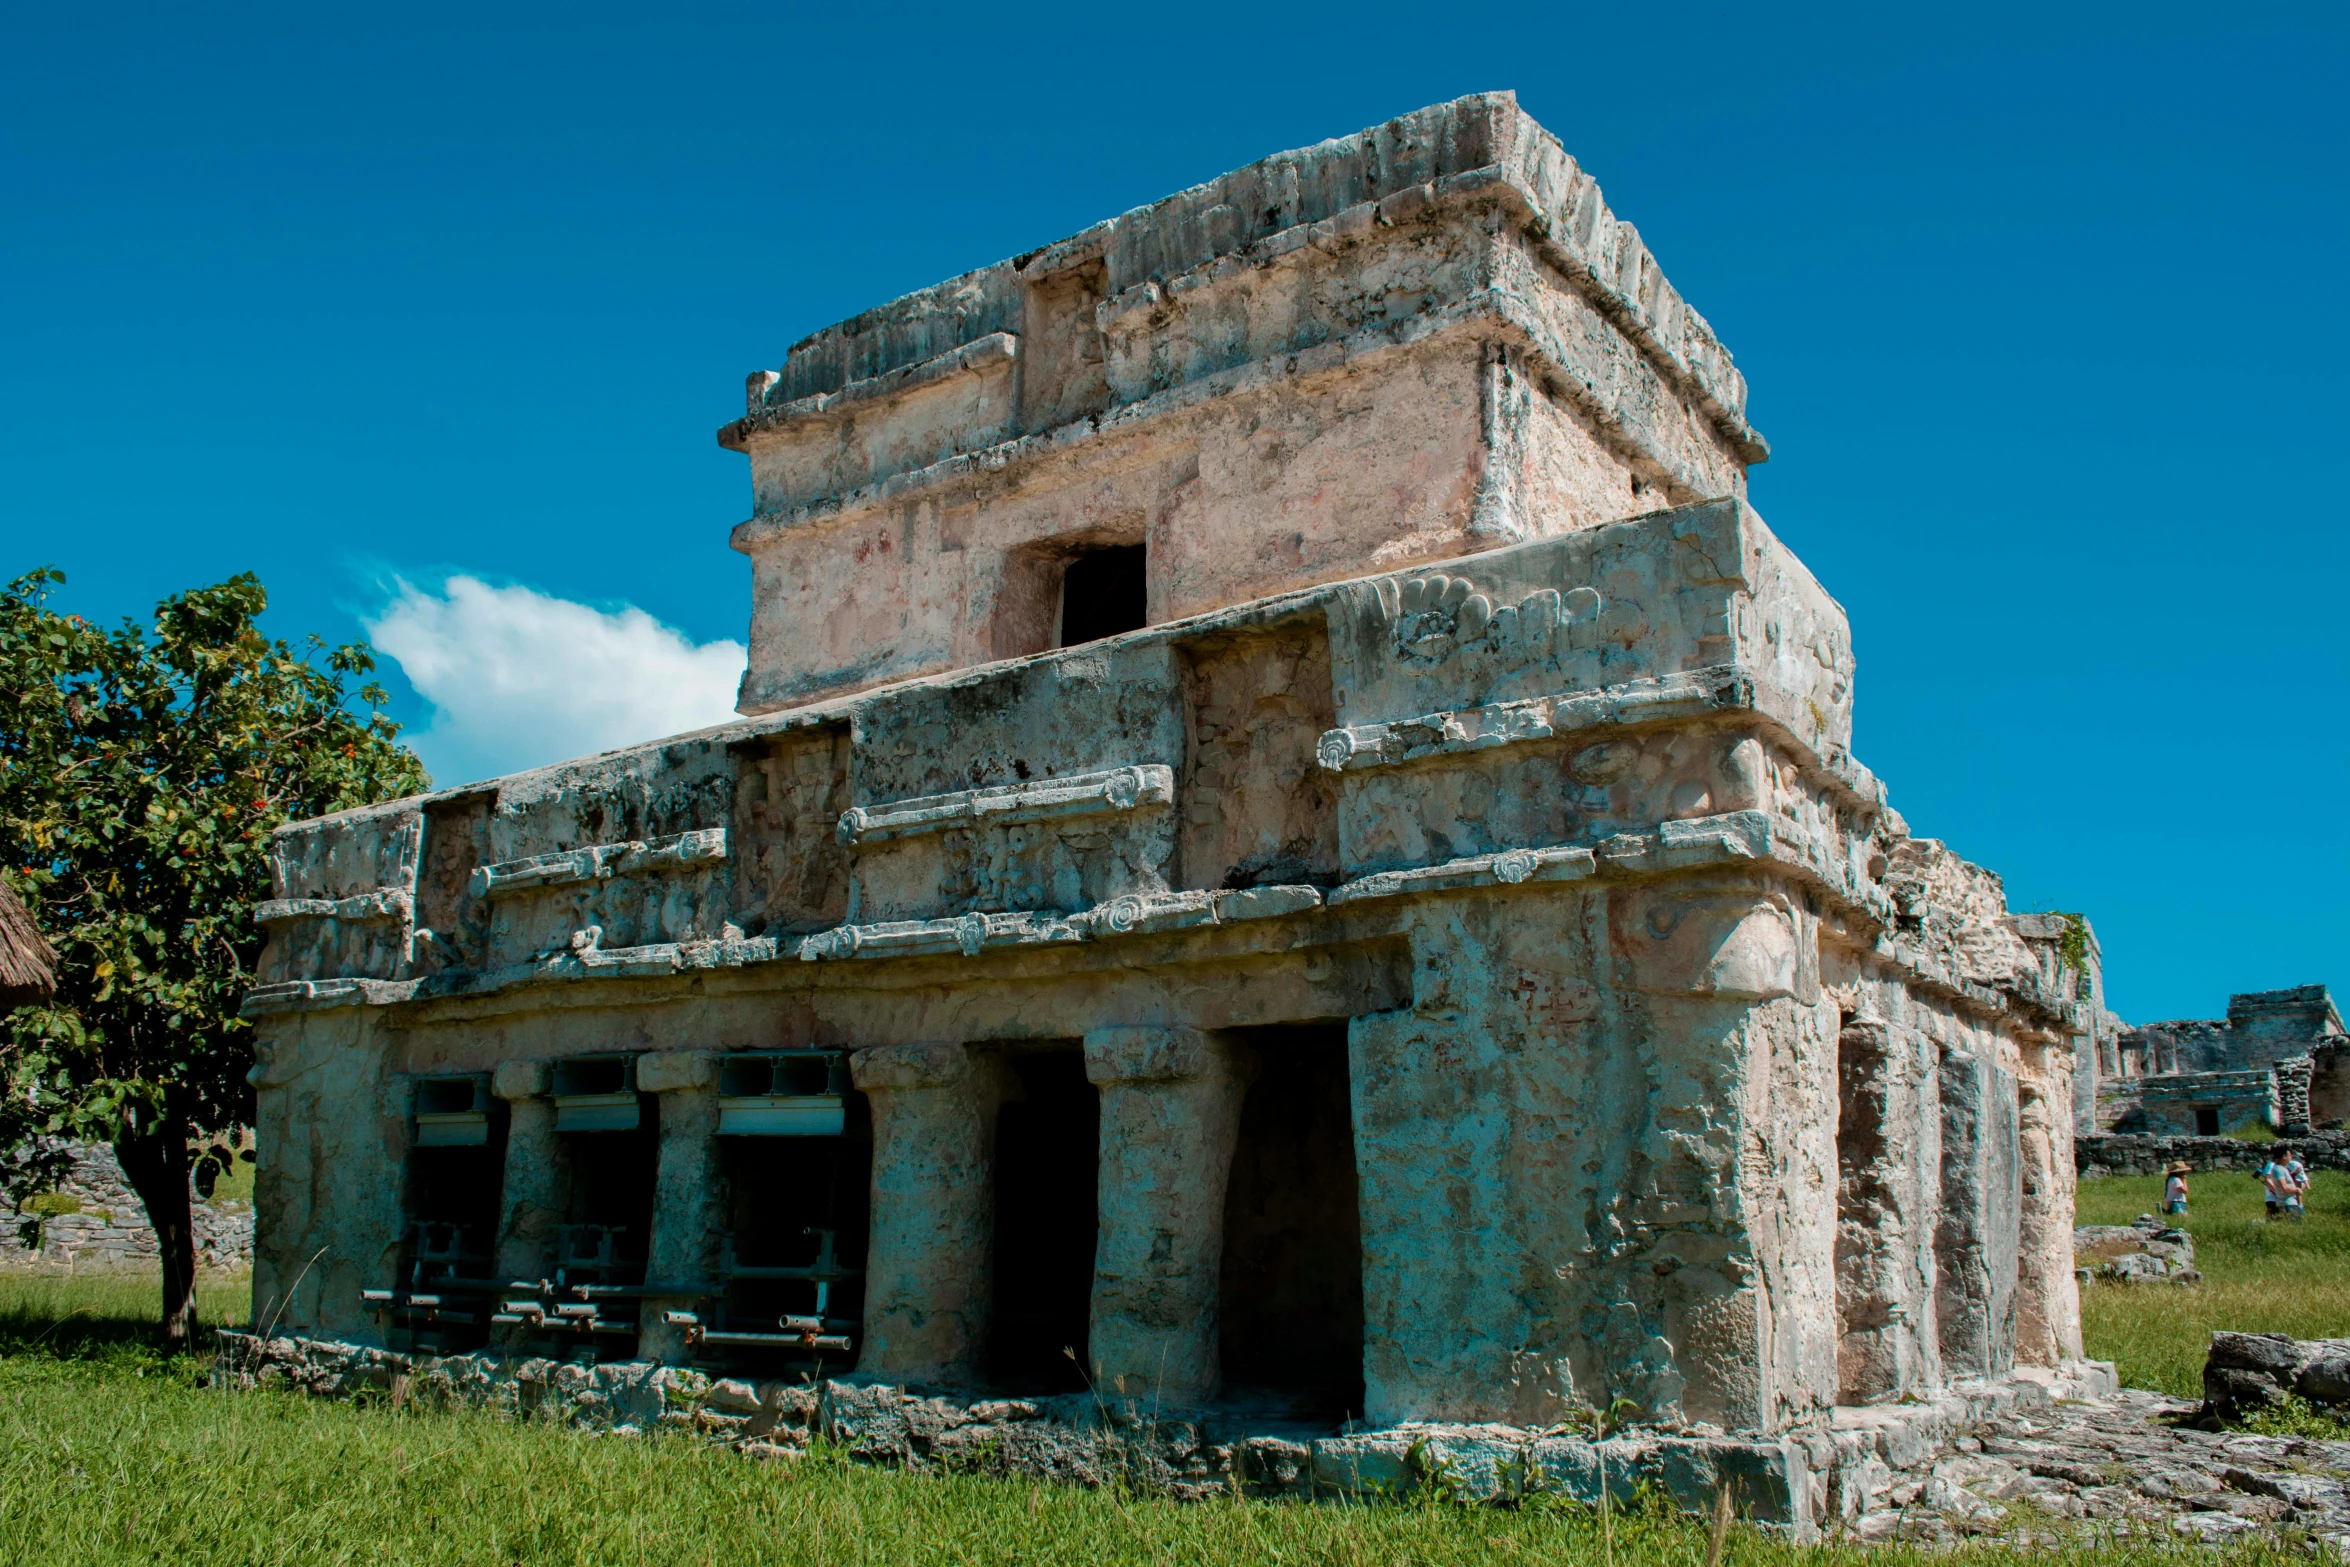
(111, 1452)
(2259, 1276)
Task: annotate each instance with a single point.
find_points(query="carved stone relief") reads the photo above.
(1258, 809)
(792, 869)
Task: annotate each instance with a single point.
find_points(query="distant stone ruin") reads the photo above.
(2278, 1061)
(1293, 859)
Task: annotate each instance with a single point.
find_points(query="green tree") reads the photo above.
(142, 771)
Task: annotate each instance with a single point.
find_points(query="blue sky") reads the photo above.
(428, 316)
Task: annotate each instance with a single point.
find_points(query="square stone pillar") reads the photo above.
(531, 1198)
(1170, 1114)
(1978, 1233)
(1889, 1154)
(2048, 1302)
(689, 1197)
(927, 1278)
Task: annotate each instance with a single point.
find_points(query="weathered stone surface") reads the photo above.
(1472, 766)
(2247, 1372)
(2280, 1058)
(94, 1223)
(2145, 1252)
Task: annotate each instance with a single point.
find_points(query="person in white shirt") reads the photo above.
(2277, 1187)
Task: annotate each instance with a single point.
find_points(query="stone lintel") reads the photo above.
(1744, 838)
(1685, 694)
(676, 1071)
(383, 904)
(522, 1079)
(980, 354)
(1149, 1054)
(883, 1068)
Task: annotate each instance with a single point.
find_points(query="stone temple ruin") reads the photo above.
(1293, 855)
(2278, 1060)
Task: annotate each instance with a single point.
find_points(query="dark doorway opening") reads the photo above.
(1047, 1154)
(608, 1223)
(1103, 592)
(1292, 1297)
(2207, 1120)
(795, 1205)
(456, 1173)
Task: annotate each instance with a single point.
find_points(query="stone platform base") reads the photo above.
(1830, 1476)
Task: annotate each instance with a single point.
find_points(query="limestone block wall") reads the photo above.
(1405, 345)
(100, 1226)
(2269, 1026)
(2174, 1103)
(2125, 1153)
(1675, 1068)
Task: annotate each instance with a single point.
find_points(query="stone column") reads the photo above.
(531, 1198)
(1977, 1232)
(1170, 1114)
(2048, 1310)
(1887, 1142)
(689, 1198)
(927, 1275)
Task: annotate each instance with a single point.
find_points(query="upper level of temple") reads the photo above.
(1415, 343)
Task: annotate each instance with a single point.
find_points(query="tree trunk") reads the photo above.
(154, 1159)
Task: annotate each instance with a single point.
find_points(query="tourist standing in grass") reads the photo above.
(2299, 1173)
(2174, 1190)
(2276, 1181)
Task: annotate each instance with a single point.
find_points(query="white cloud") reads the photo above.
(517, 679)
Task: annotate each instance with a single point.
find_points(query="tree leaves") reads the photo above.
(142, 771)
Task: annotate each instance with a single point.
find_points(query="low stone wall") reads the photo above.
(1795, 1484)
(2124, 1153)
(107, 1230)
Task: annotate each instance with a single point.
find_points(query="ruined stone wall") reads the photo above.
(1678, 1070)
(1477, 720)
(2174, 1103)
(94, 1223)
(1419, 357)
(2110, 1153)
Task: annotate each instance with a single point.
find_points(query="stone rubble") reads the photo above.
(2025, 1459)
(2143, 1251)
(2248, 1372)
(2132, 1467)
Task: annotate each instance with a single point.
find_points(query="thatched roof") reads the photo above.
(28, 969)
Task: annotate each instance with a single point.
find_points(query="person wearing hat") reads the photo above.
(2174, 1190)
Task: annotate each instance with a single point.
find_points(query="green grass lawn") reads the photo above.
(112, 1452)
(2259, 1276)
